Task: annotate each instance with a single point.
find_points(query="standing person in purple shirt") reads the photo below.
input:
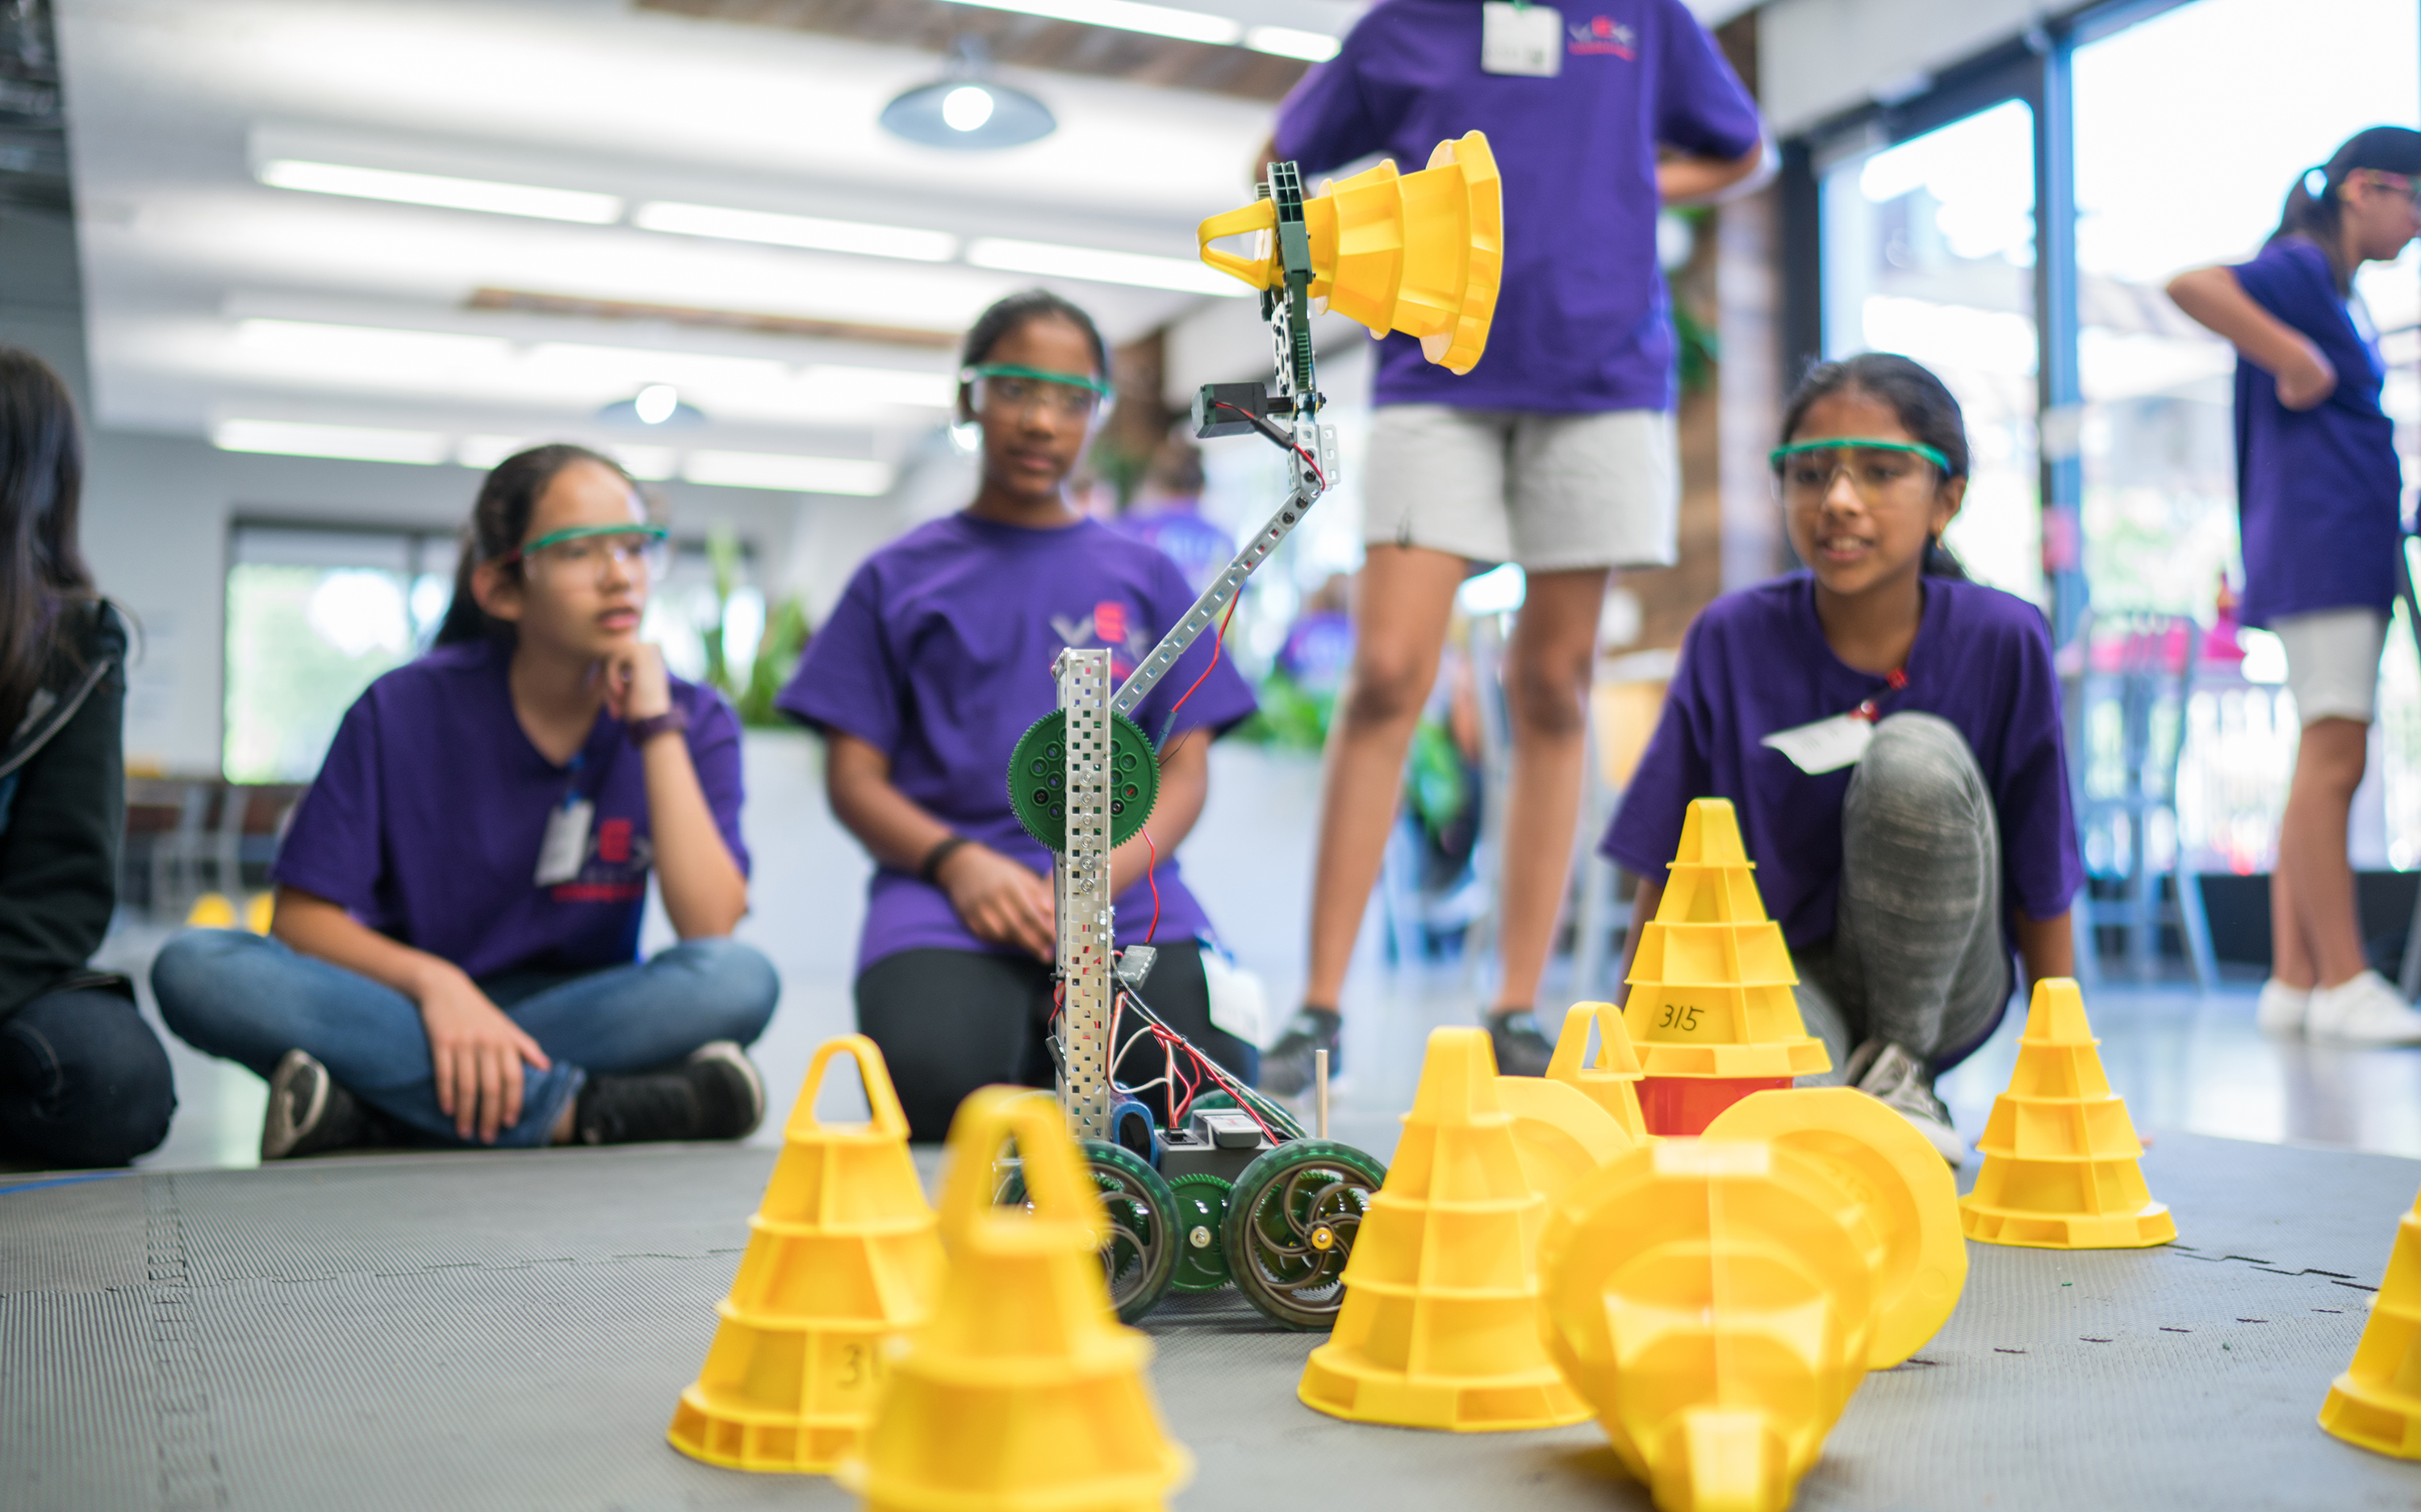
(937, 658)
(1889, 733)
(2320, 490)
(459, 898)
(1557, 451)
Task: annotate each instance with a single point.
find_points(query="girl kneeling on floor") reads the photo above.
(458, 898)
(1890, 736)
(937, 658)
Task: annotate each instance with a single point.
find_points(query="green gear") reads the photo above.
(1201, 1213)
(1038, 774)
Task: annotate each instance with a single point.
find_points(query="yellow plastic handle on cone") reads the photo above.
(1260, 215)
(890, 1121)
(1055, 1183)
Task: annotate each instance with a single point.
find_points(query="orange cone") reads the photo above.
(2060, 1153)
(842, 1256)
(1024, 1394)
(1440, 1325)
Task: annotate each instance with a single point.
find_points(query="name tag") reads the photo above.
(1827, 745)
(561, 854)
(1524, 40)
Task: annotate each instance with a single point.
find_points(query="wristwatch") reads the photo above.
(643, 731)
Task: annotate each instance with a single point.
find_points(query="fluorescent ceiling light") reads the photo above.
(1183, 274)
(796, 231)
(1312, 47)
(289, 438)
(369, 344)
(653, 365)
(886, 385)
(484, 452)
(450, 194)
(649, 464)
(789, 473)
(1127, 15)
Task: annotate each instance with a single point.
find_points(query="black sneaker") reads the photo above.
(308, 1112)
(1520, 1049)
(715, 1094)
(1287, 1067)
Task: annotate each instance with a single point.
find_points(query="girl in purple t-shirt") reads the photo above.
(1889, 733)
(2320, 494)
(935, 660)
(458, 895)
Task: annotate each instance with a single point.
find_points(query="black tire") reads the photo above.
(1139, 1256)
(1290, 1226)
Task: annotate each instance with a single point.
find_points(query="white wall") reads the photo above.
(1818, 57)
(157, 511)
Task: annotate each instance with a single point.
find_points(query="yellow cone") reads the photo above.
(1025, 1393)
(1439, 1327)
(1612, 1082)
(260, 912)
(2060, 1154)
(2377, 1402)
(211, 910)
(1714, 1301)
(1420, 253)
(842, 1257)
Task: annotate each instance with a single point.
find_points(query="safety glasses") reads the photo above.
(1016, 390)
(597, 549)
(1881, 473)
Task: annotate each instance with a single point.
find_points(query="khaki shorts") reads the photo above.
(1555, 492)
(2333, 661)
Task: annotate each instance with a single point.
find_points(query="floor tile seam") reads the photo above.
(185, 1426)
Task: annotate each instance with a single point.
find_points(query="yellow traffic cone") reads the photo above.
(1420, 253)
(1613, 1082)
(2060, 1153)
(1903, 1188)
(1711, 1012)
(1439, 1327)
(1025, 1393)
(2377, 1402)
(1714, 1301)
(260, 912)
(211, 910)
(842, 1256)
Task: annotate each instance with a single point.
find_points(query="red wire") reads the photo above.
(1216, 642)
(1152, 876)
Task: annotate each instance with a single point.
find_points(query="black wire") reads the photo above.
(1284, 440)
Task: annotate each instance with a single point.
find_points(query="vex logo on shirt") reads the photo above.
(1603, 33)
(615, 870)
(1111, 624)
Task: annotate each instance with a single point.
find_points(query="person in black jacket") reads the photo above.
(84, 1081)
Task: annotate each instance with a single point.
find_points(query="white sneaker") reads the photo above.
(2364, 1010)
(1897, 1078)
(2282, 1008)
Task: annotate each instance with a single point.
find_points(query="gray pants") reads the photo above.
(1916, 956)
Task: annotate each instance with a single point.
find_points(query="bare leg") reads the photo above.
(1401, 603)
(2315, 932)
(1547, 683)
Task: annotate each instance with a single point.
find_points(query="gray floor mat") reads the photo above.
(511, 1331)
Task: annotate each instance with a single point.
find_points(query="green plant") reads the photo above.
(1292, 719)
(777, 656)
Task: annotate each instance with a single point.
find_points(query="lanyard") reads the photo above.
(1895, 680)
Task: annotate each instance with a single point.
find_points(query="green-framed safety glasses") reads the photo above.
(1879, 471)
(647, 547)
(1076, 396)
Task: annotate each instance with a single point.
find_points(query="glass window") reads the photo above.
(1929, 250)
(2190, 127)
(312, 617)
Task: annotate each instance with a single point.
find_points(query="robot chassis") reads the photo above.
(1238, 1191)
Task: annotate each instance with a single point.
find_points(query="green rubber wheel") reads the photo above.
(1201, 1214)
(1291, 1222)
(1139, 1251)
(1038, 778)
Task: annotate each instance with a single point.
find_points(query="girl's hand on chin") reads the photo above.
(637, 685)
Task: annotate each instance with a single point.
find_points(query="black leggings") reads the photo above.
(952, 1021)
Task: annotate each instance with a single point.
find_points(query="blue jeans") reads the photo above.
(84, 1081)
(251, 1000)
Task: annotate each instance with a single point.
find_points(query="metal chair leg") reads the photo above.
(2194, 923)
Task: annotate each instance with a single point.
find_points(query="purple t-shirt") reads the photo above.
(1201, 549)
(1755, 662)
(939, 655)
(1583, 322)
(426, 819)
(2319, 492)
